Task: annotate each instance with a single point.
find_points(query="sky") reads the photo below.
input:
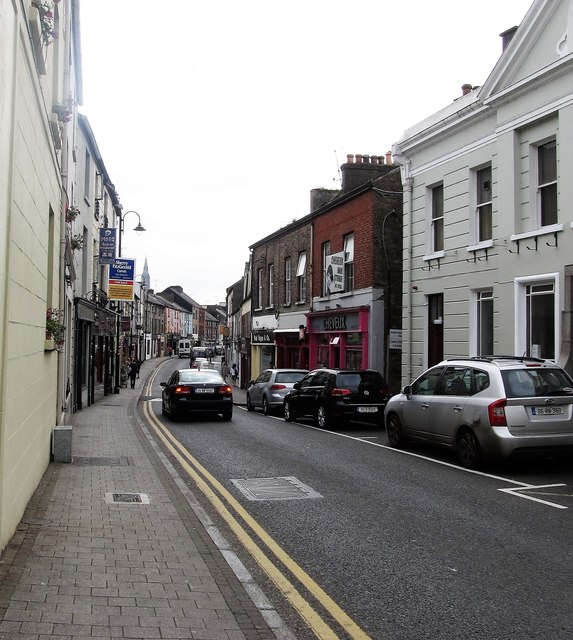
(215, 120)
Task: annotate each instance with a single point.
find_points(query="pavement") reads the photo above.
(115, 545)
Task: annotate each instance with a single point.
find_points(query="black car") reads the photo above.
(196, 391)
(335, 396)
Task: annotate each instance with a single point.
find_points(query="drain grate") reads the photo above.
(122, 461)
(126, 498)
(279, 488)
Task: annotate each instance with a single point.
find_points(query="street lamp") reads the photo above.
(139, 230)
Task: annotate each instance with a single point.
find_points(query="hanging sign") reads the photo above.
(121, 278)
(107, 245)
(334, 265)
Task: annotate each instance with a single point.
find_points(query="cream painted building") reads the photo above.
(488, 207)
(39, 92)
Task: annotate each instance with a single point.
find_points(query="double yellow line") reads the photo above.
(215, 492)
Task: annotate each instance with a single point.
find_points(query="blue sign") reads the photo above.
(107, 245)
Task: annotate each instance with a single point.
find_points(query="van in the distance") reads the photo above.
(184, 348)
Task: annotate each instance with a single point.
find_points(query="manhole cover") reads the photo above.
(280, 488)
(122, 461)
(126, 498)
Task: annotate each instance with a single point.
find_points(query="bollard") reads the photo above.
(62, 443)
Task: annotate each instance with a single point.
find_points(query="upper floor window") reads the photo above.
(437, 224)
(271, 285)
(301, 276)
(349, 262)
(484, 204)
(260, 289)
(325, 254)
(547, 183)
(288, 278)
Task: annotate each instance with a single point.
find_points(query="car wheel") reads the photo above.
(322, 417)
(250, 406)
(288, 411)
(395, 432)
(469, 450)
(228, 414)
(266, 409)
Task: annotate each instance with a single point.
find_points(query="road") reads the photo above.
(385, 544)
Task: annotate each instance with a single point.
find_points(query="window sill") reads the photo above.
(487, 244)
(542, 231)
(434, 256)
(300, 302)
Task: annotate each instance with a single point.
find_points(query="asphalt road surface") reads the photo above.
(406, 544)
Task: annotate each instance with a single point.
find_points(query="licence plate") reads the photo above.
(204, 390)
(546, 411)
(367, 409)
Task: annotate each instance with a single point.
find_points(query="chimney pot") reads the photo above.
(389, 158)
(349, 158)
(466, 88)
(359, 158)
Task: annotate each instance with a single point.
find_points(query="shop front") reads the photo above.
(338, 338)
(291, 348)
(262, 350)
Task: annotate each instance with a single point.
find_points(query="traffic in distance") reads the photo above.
(483, 408)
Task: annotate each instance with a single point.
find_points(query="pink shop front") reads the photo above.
(338, 338)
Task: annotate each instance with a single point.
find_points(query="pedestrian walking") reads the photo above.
(224, 369)
(133, 373)
(234, 373)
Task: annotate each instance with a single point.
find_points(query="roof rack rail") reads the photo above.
(489, 358)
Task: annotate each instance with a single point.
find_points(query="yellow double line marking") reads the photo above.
(209, 486)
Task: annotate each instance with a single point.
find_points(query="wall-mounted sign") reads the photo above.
(395, 339)
(334, 266)
(107, 245)
(121, 277)
(262, 337)
(335, 322)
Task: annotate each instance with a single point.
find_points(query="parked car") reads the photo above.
(268, 391)
(200, 391)
(335, 396)
(486, 408)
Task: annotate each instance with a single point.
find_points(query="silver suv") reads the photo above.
(486, 408)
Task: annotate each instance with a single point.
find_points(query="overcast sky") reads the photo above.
(216, 119)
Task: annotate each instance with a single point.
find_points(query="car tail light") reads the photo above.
(276, 387)
(496, 413)
(341, 392)
(181, 390)
(226, 390)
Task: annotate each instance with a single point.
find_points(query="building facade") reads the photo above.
(488, 219)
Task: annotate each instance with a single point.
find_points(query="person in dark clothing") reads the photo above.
(133, 373)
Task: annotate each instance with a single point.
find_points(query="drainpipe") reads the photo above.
(408, 183)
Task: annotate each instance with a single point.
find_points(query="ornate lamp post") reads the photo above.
(139, 229)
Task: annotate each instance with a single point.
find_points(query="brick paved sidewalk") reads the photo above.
(83, 566)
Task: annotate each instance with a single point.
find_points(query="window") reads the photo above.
(485, 323)
(301, 276)
(260, 289)
(87, 177)
(288, 278)
(483, 205)
(325, 254)
(537, 317)
(540, 320)
(271, 285)
(349, 262)
(547, 183)
(437, 225)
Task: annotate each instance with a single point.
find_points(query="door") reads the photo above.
(446, 411)
(416, 409)
(435, 329)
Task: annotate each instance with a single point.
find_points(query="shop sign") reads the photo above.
(395, 339)
(339, 322)
(107, 245)
(334, 265)
(262, 337)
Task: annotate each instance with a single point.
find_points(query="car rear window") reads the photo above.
(536, 382)
(289, 376)
(353, 380)
(205, 375)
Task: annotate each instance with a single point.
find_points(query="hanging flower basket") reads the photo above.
(77, 242)
(46, 11)
(63, 111)
(55, 330)
(72, 213)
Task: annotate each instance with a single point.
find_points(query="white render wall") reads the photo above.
(29, 271)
